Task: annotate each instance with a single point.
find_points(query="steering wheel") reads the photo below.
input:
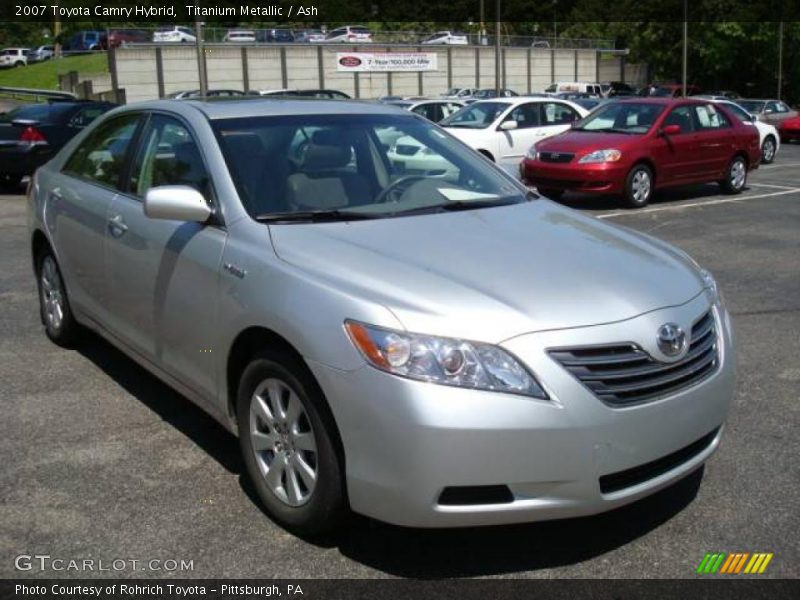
(390, 192)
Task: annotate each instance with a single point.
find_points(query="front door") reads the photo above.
(677, 154)
(163, 275)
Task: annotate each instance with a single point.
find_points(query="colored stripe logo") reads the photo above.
(734, 563)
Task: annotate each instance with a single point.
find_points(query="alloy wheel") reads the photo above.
(283, 442)
(640, 186)
(768, 151)
(738, 174)
(52, 294)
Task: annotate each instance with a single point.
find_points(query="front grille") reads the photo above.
(625, 374)
(556, 157)
(614, 482)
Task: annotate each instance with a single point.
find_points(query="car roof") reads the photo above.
(257, 106)
(661, 100)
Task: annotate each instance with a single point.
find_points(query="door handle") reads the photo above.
(117, 226)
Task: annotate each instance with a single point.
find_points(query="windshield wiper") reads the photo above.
(312, 216)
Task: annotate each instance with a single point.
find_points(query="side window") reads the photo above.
(782, 107)
(772, 107)
(709, 118)
(526, 115)
(425, 110)
(168, 156)
(85, 116)
(101, 156)
(555, 113)
(681, 116)
(740, 113)
(448, 109)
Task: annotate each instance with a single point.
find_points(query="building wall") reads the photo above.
(272, 67)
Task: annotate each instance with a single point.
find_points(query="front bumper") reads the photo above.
(599, 178)
(406, 441)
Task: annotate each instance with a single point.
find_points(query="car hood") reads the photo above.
(584, 142)
(491, 274)
(467, 135)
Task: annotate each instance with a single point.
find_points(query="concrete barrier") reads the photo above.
(152, 71)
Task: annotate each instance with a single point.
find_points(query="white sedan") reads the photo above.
(768, 136)
(504, 129)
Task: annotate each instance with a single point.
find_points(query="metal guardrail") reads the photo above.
(15, 91)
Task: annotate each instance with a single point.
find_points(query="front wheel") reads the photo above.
(768, 150)
(735, 176)
(59, 323)
(288, 442)
(638, 186)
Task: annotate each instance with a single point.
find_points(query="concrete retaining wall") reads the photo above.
(152, 71)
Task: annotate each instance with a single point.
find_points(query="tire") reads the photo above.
(9, 180)
(735, 176)
(486, 154)
(638, 186)
(286, 428)
(551, 193)
(768, 150)
(19, 63)
(59, 323)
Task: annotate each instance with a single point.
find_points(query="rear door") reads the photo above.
(556, 117)
(715, 140)
(78, 210)
(163, 275)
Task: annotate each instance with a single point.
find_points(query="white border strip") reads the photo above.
(695, 204)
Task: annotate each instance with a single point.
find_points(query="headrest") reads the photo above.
(320, 157)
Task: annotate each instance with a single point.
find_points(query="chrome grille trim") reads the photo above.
(624, 374)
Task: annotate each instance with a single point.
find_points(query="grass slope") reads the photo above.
(44, 75)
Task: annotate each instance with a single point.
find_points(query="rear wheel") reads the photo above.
(551, 193)
(638, 186)
(768, 150)
(735, 176)
(59, 323)
(288, 442)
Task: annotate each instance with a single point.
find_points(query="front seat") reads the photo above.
(322, 182)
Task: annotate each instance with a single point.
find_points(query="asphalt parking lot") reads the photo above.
(101, 460)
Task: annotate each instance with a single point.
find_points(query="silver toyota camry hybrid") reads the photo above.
(425, 342)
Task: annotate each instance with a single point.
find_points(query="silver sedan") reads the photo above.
(426, 343)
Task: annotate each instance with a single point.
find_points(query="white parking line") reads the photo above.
(702, 203)
(779, 165)
(771, 185)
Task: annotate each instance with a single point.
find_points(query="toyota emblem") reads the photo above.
(671, 339)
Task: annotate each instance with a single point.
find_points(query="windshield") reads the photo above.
(753, 106)
(475, 116)
(355, 166)
(621, 117)
(43, 113)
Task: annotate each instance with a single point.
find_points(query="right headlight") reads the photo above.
(445, 361)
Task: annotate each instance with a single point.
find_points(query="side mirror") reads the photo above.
(671, 130)
(176, 203)
(508, 125)
(753, 118)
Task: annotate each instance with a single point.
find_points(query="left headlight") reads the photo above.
(532, 154)
(444, 361)
(602, 156)
(711, 285)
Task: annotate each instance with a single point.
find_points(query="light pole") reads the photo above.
(482, 28)
(201, 55)
(780, 59)
(685, 43)
(555, 23)
(497, 81)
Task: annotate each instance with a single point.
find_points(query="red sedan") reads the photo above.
(789, 129)
(634, 147)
